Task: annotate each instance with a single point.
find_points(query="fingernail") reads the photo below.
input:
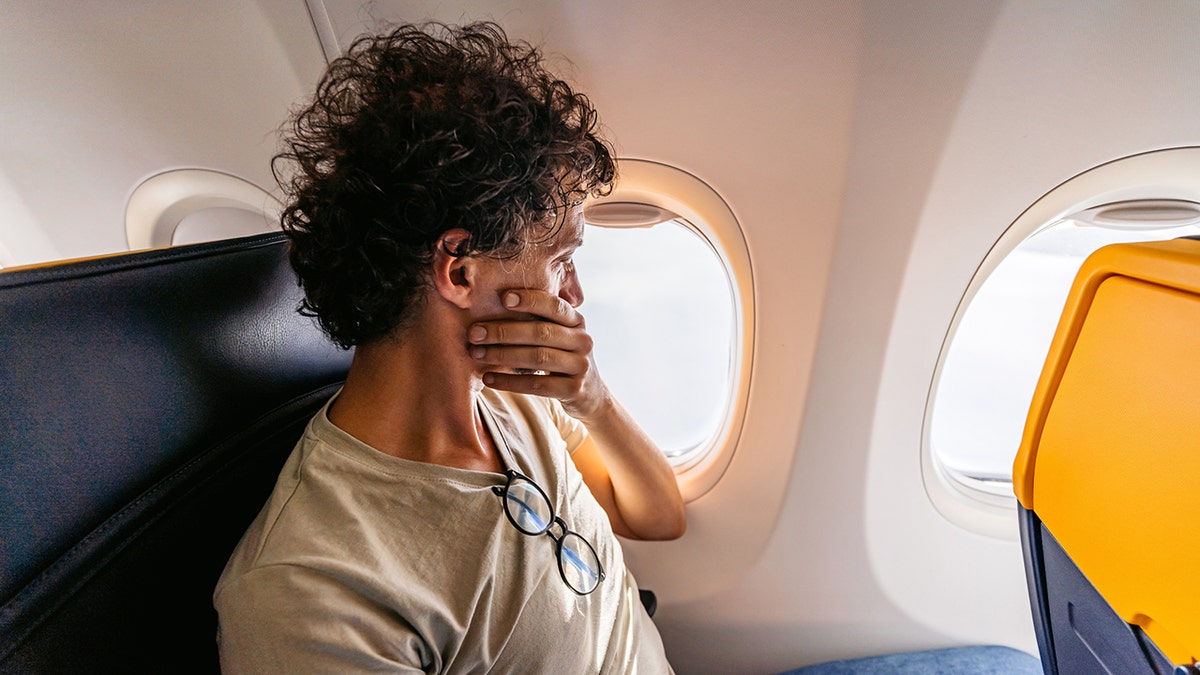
(477, 352)
(511, 300)
(488, 378)
(477, 334)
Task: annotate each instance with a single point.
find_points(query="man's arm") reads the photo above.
(618, 453)
(548, 344)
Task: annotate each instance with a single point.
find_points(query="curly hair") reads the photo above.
(416, 132)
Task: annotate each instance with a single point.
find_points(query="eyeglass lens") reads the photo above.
(578, 563)
(527, 507)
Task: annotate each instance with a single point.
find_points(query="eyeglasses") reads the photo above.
(529, 510)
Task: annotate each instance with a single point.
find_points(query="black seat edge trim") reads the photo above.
(78, 269)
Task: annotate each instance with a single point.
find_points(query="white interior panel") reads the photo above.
(96, 97)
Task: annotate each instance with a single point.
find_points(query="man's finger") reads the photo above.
(552, 386)
(543, 304)
(533, 333)
(532, 358)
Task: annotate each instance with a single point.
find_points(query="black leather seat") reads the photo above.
(147, 402)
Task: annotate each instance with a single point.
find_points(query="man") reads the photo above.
(435, 187)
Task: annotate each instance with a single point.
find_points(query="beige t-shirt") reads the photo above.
(361, 561)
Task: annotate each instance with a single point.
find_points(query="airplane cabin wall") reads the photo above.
(966, 113)
(815, 593)
(1057, 89)
(945, 157)
(97, 97)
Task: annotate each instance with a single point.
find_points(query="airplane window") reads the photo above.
(188, 206)
(991, 364)
(659, 304)
(669, 297)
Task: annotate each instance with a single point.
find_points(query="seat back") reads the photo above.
(1108, 464)
(147, 402)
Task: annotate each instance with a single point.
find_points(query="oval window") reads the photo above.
(659, 305)
(669, 297)
(188, 206)
(1000, 344)
(994, 352)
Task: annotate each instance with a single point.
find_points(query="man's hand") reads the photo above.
(543, 349)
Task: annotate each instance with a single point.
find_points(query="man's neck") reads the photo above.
(415, 396)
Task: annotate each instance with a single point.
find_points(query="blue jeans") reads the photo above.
(965, 660)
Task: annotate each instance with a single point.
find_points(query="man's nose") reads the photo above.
(571, 291)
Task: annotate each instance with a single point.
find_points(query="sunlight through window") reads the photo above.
(659, 304)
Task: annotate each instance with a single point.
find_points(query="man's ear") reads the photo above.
(453, 273)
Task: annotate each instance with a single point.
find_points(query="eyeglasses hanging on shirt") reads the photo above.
(530, 511)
